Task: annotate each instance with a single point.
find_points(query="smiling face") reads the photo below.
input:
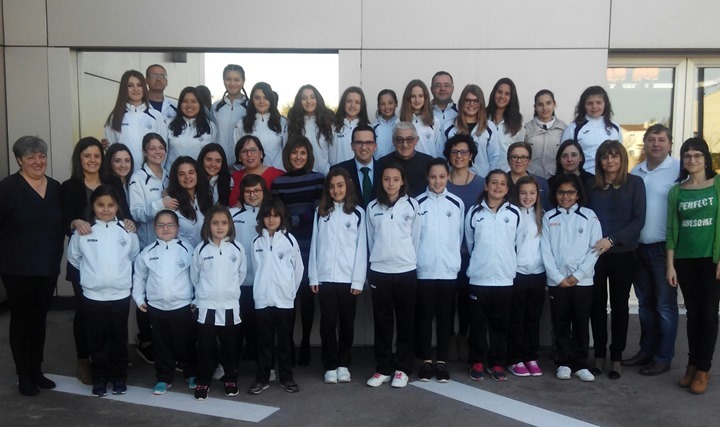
(135, 91)
(187, 176)
(190, 106)
(308, 101)
(545, 108)
(387, 106)
(417, 99)
(90, 160)
(392, 182)
(528, 195)
(437, 179)
(496, 188)
(352, 105)
(33, 165)
(234, 83)
(693, 161)
(460, 156)
(611, 163)
(121, 164)
(470, 107)
(442, 88)
(657, 147)
(219, 227)
(405, 141)
(570, 159)
(337, 188)
(253, 196)
(260, 101)
(250, 155)
(595, 106)
(166, 228)
(364, 146)
(502, 95)
(519, 160)
(155, 152)
(212, 163)
(566, 195)
(298, 158)
(105, 208)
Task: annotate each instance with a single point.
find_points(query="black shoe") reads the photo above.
(595, 371)
(27, 387)
(145, 351)
(426, 371)
(304, 356)
(654, 368)
(290, 386)
(99, 390)
(231, 389)
(42, 382)
(119, 388)
(441, 373)
(637, 360)
(257, 388)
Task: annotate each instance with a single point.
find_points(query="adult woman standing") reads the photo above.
(310, 117)
(250, 152)
(693, 252)
(264, 121)
(618, 199)
(30, 212)
(300, 189)
(191, 129)
(570, 158)
(544, 133)
(231, 108)
(504, 110)
(132, 117)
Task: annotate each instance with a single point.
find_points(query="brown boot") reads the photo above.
(83, 371)
(689, 376)
(699, 384)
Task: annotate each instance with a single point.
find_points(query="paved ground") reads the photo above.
(633, 400)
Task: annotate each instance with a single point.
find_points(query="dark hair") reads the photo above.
(76, 167)
(118, 112)
(511, 115)
(658, 128)
(483, 194)
(267, 207)
(558, 156)
(216, 209)
(251, 180)
(147, 70)
(298, 141)
(202, 123)
(460, 123)
(361, 128)
(241, 143)
(540, 93)
(457, 139)
(146, 141)
(172, 214)
(323, 116)
(406, 111)
(607, 148)
(697, 144)
(574, 180)
(382, 195)
(202, 189)
(204, 95)
(274, 120)
(441, 73)
(581, 112)
(326, 201)
(106, 169)
(515, 198)
(519, 144)
(103, 190)
(228, 68)
(223, 181)
(437, 161)
(340, 113)
(383, 92)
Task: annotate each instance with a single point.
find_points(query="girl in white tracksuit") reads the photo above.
(416, 108)
(386, 119)
(230, 109)
(162, 288)
(278, 272)
(504, 111)
(528, 297)
(393, 240)
(351, 112)
(217, 272)
(104, 258)
(491, 234)
(191, 129)
(442, 216)
(337, 269)
(310, 117)
(252, 193)
(264, 121)
(568, 235)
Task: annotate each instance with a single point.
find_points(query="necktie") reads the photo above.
(366, 184)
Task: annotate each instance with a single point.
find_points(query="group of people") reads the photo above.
(218, 220)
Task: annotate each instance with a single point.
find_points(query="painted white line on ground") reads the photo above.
(500, 405)
(177, 401)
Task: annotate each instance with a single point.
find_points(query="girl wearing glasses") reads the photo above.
(504, 111)
(265, 122)
(544, 133)
(415, 108)
(250, 153)
(519, 157)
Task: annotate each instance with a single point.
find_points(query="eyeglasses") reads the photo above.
(696, 157)
(472, 101)
(361, 143)
(252, 192)
(169, 225)
(399, 140)
(563, 193)
(246, 151)
(459, 153)
(157, 76)
(521, 159)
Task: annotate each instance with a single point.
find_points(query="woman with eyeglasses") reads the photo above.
(618, 199)
(693, 252)
(250, 153)
(519, 157)
(544, 133)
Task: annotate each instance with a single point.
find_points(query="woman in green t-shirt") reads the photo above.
(693, 252)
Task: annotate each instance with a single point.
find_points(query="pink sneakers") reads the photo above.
(533, 368)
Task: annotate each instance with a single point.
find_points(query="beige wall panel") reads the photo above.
(231, 24)
(350, 72)
(469, 24)
(24, 22)
(60, 82)
(566, 72)
(5, 148)
(647, 24)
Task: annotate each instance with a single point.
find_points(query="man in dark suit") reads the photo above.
(363, 169)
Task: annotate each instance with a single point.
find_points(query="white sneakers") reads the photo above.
(378, 379)
(584, 375)
(564, 373)
(343, 375)
(331, 377)
(400, 380)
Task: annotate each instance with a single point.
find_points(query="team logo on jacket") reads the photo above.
(280, 256)
(448, 214)
(507, 220)
(580, 230)
(233, 258)
(428, 135)
(148, 126)
(407, 217)
(123, 242)
(348, 224)
(181, 264)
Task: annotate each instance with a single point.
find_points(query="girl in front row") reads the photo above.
(217, 271)
(442, 215)
(569, 233)
(104, 258)
(491, 234)
(393, 239)
(337, 270)
(528, 297)
(162, 289)
(278, 273)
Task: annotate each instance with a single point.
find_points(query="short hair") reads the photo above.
(437, 161)
(658, 128)
(404, 126)
(442, 73)
(216, 209)
(298, 141)
(460, 138)
(363, 127)
(251, 180)
(28, 144)
(697, 144)
(241, 143)
(519, 144)
(147, 70)
(266, 209)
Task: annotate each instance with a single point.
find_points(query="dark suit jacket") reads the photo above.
(351, 167)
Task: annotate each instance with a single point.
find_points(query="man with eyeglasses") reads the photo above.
(413, 162)
(442, 90)
(519, 156)
(658, 306)
(157, 81)
(363, 169)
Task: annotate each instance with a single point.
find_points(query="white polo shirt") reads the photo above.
(657, 185)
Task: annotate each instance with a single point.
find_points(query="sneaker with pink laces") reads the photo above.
(534, 369)
(519, 370)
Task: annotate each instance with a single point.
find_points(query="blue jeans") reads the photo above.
(658, 304)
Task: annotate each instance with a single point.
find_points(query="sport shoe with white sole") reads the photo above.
(378, 379)
(563, 373)
(584, 375)
(534, 369)
(343, 375)
(400, 380)
(331, 377)
(161, 388)
(519, 370)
